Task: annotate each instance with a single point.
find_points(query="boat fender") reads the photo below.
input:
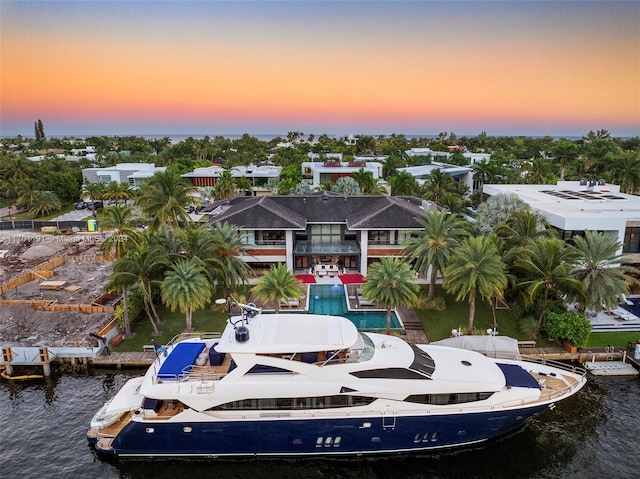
(202, 359)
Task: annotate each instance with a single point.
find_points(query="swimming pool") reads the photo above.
(634, 307)
(331, 299)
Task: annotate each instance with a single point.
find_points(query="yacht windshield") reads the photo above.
(367, 346)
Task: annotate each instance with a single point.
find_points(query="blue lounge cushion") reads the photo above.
(518, 377)
(180, 361)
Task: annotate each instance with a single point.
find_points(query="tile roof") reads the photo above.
(388, 212)
(256, 213)
(294, 212)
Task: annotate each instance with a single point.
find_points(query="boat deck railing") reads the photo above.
(572, 368)
(204, 335)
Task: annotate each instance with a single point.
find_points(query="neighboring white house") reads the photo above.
(324, 156)
(462, 174)
(444, 156)
(259, 176)
(87, 150)
(575, 206)
(132, 173)
(39, 158)
(332, 169)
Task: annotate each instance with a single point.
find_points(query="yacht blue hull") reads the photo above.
(344, 436)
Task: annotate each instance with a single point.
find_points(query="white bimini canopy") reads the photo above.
(279, 333)
(492, 346)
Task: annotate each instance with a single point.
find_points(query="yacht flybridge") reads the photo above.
(301, 384)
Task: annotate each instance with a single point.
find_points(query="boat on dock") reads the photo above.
(296, 385)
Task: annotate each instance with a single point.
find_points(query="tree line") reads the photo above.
(508, 254)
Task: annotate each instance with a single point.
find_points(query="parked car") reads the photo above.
(95, 205)
(81, 205)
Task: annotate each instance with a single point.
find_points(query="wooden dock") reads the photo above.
(143, 359)
(121, 360)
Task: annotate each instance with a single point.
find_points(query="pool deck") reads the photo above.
(616, 320)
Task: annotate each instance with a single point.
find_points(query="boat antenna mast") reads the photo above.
(246, 311)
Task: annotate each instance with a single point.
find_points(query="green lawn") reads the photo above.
(437, 324)
(25, 216)
(204, 320)
(212, 318)
(619, 340)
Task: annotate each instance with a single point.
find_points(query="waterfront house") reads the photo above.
(321, 228)
(571, 207)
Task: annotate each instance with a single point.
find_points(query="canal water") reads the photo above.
(594, 434)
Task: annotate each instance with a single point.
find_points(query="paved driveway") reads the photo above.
(75, 215)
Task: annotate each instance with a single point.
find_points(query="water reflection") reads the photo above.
(593, 434)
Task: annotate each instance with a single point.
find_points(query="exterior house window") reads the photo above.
(405, 235)
(350, 235)
(380, 237)
(326, 234)
(265, 238)
(248, 237)
(631, 240)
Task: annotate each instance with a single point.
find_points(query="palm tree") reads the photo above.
(230, 249)
(185, 287)
(403, 184)
(198, 243)
(390, 284)
(539, 172)
(397, 159)
(43, 203)
(367, 183)
(95, 192)
(244, 185)
(121, 284)
(483, 172)
(436, 185)
(521, 228)
(164, 197)
(433, 246)
(225, 186)
(142, 266)
(115, 191)
(625, 171)
(602, 271)
(546, 265)
(124, 235)
(277, 284)
(565, 152)
(112, 191)
(475, 270)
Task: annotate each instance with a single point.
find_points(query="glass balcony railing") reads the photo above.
(313, 247)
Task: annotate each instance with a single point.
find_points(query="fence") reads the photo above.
(91, 257)
(44, 305)
(41, 271)
(37, 225)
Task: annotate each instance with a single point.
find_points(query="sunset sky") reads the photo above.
(154, 68)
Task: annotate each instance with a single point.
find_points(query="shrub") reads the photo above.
(572, 326)
(134, 305)
(529, 327)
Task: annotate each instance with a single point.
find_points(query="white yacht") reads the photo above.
(301, 385)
